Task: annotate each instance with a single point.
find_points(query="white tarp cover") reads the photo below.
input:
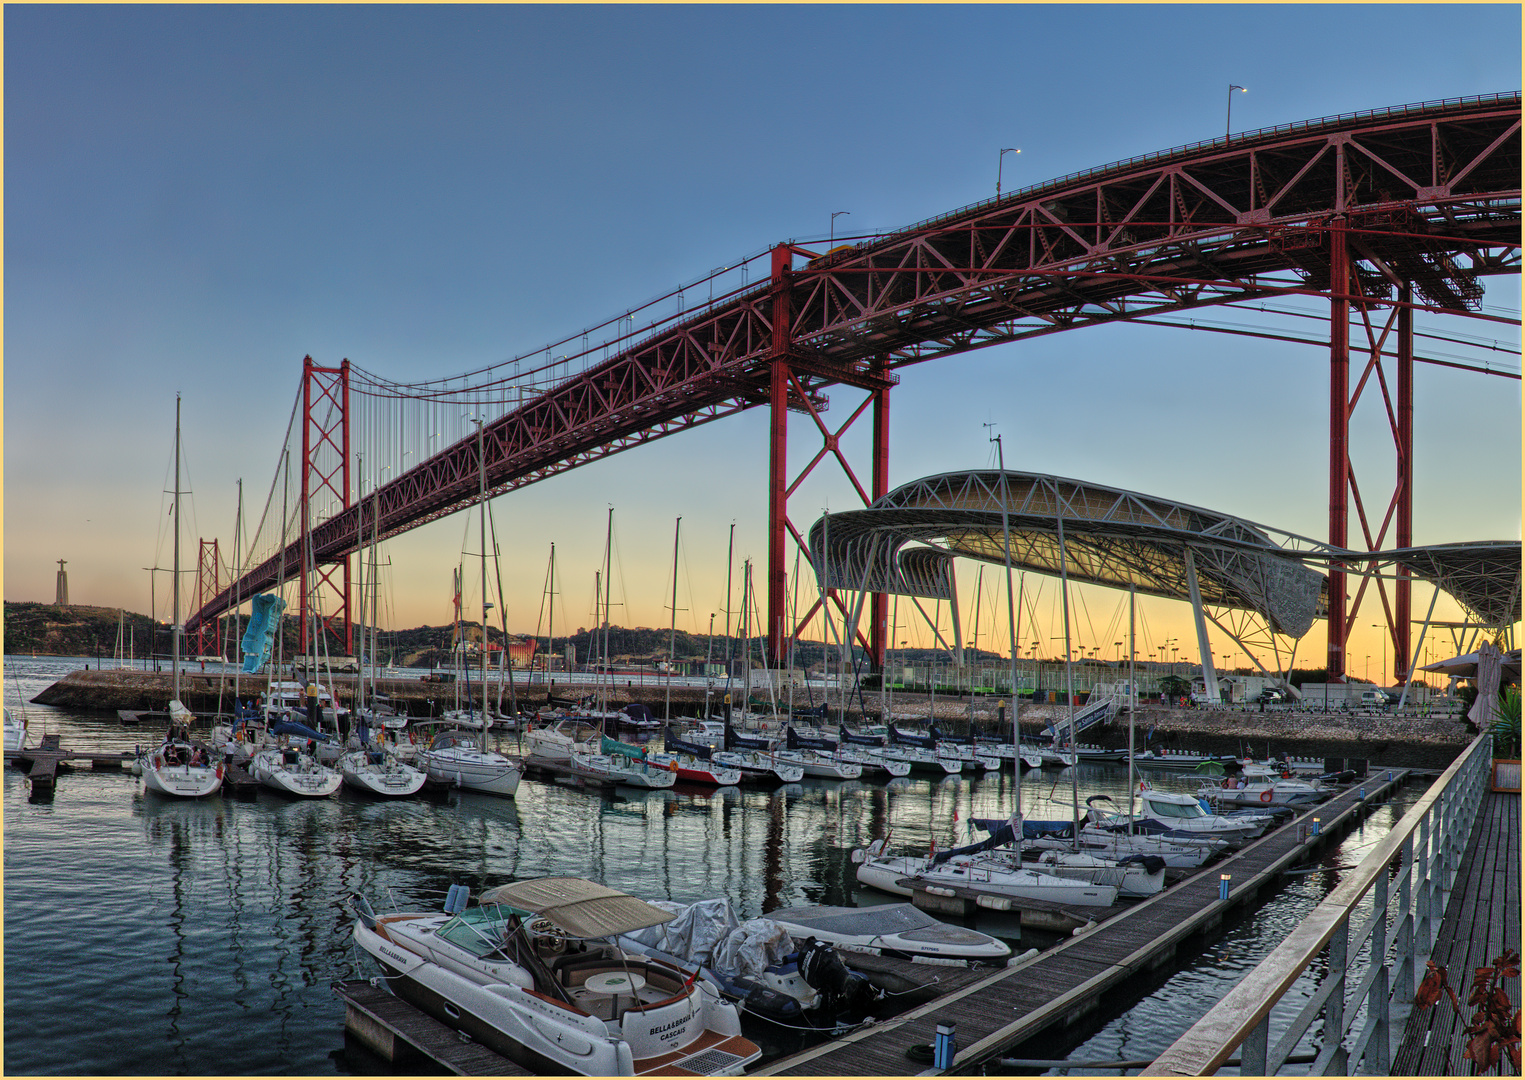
(753, 947)
(708, 933)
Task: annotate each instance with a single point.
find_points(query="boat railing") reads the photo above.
(1366, 943)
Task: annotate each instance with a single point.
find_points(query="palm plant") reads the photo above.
(1506, 724)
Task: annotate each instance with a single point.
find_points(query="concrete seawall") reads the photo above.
(1411, 741)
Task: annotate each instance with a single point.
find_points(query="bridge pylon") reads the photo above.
(208, 585)
(325, 595)
(788, 391)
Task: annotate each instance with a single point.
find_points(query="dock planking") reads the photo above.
(1069, 980)
(402, 1034)
(1481, 920)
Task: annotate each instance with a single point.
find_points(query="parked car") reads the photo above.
(1375, 699)
(1271, 696)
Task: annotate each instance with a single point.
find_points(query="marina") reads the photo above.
(1217, 774)
(482, 840)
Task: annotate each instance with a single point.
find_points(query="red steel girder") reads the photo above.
(1168, 231)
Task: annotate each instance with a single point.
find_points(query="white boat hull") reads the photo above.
(389, 778)
(181, 781)
(473, 770)
(303, 778)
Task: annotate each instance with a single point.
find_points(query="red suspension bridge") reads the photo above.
(1381, 214)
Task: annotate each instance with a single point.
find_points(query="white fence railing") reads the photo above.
(1371, 956)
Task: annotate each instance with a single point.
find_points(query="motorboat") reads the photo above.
(1097, 753)
(559, 740)
(293, 771)
(1183, 815)
(756, 963)
(380, 772)
(15, 731)
(1118, 832)
(901, 930)
(884, 872)
(533, 972)
(1179, 759)
(179, 767)
(1256, 786)
(457, 756)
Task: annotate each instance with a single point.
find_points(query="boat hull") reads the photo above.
(303, 780)
(182, 781)
(491, 774)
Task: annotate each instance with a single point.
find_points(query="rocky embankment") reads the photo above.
(1411, 741)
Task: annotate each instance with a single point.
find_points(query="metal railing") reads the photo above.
(1370, 956)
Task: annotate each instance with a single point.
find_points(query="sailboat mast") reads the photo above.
(238, 564)
(1132, 700)
(608, 568)
(360, 566)
(550, 622)
(175, 625)
(1011, 626)
(280, 576)
(730, 556)
(672, 628)
(979, 581)
(482, 530)
(1069, 680)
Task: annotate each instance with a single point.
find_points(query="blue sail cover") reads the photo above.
(795, 741)
(927, 741)
(301, 731)
(1031, 830)
(1001, 837)
(734, 741)
(859, 740)
(640, 713)
(674, 745)
(264, 616)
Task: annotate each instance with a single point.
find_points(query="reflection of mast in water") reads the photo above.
(178, 823)
(773, 855)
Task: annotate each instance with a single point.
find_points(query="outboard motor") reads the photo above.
(845, 991)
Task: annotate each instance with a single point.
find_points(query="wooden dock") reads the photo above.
(1481, 920)
(403, 1035)
(997, 1013)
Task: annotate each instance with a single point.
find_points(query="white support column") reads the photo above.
(1204, 647)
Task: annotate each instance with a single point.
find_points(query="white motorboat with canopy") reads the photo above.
(533, 972)
(901, 930)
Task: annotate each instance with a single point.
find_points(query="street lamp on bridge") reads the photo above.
(1228, 126)
(1001, 160)
(834, 215)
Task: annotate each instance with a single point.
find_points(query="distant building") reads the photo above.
(62, 597)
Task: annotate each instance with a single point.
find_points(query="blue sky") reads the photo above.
(198, 196)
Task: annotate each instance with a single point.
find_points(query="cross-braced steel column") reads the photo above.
(1339, 437)
(1401, 651)
(778, 457)
(208, 578)
(325, 471)
(878, 633)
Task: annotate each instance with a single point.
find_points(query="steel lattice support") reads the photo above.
(787, 390)
(325, 476)
(208, 578)
(1426, 194)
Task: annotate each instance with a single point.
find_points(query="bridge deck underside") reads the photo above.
(1428, 195)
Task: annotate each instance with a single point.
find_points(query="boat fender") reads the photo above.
(1267, 795)
(365, 912)
(1022, 958)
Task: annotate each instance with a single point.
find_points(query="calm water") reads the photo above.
(149, 936)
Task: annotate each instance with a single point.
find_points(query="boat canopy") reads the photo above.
(583, 908)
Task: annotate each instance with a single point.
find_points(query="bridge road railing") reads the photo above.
(1370, 956)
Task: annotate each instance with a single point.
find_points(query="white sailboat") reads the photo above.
(178, 767)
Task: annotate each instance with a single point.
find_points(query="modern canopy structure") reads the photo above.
(1244, 577)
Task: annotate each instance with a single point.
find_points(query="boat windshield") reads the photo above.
(478, 930)
(1176, 810)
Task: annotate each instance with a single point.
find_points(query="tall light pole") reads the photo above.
(1379, 626)
(1228, 126)
(834, 215)
(999, 161)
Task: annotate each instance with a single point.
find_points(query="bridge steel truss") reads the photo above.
(1383, 213)
(208, 578)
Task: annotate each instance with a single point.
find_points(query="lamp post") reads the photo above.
(834, 215)
(1228, 126)
(1118, 645)
(1001, 160)
(1378, 626)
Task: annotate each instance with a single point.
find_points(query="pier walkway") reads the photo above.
(1482, 919)
(1000, 1011)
